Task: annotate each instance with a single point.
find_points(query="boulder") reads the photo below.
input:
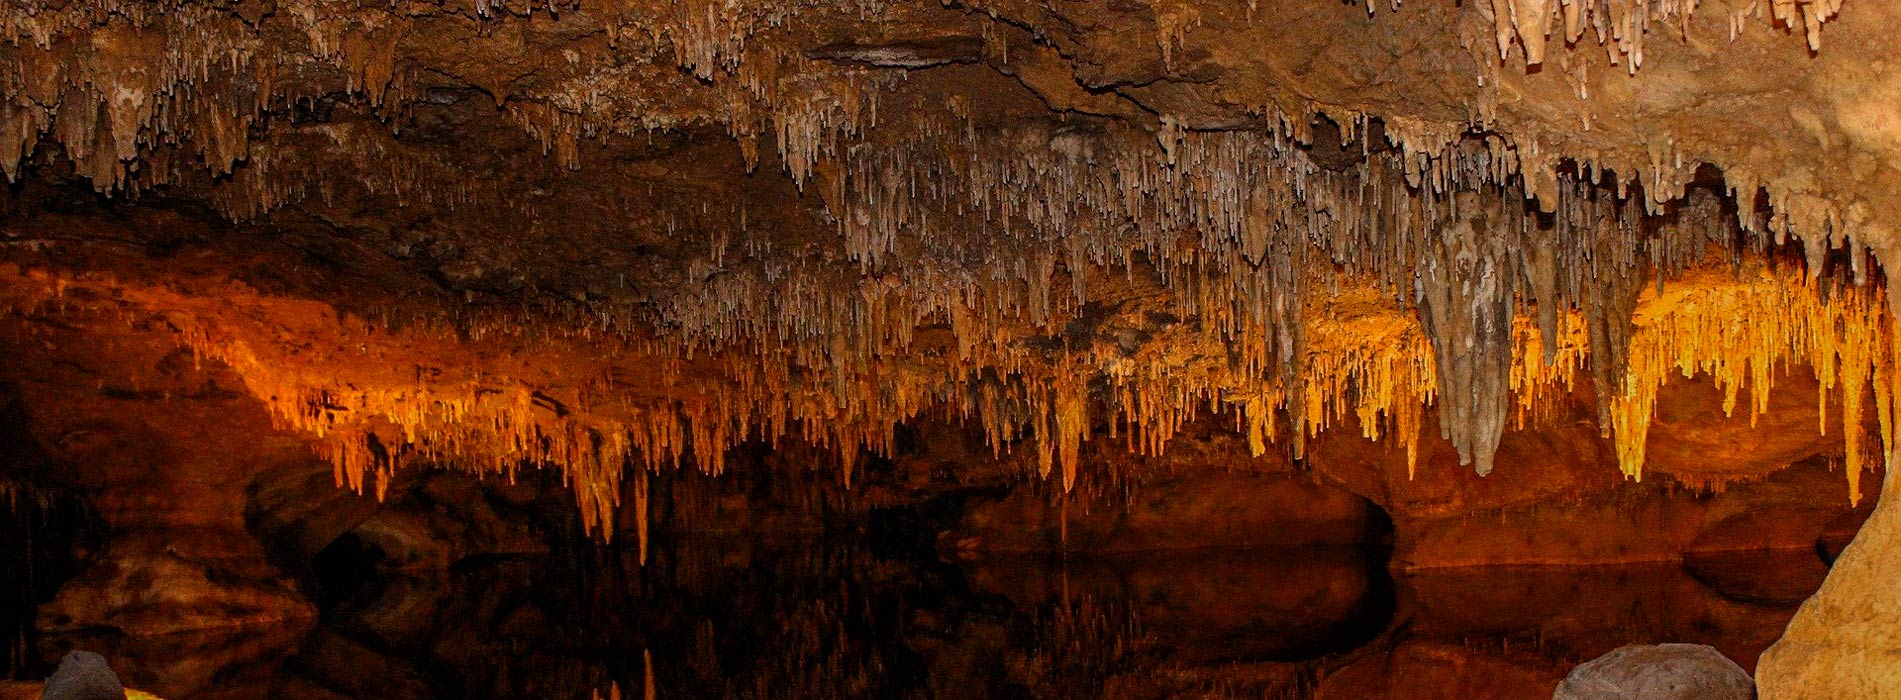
(1843, 644)
(83, 675)
(1658, 672)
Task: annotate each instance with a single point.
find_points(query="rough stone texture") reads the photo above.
(1186, 497)
(1796, 121)
(1560, 502)
(589, 234)
(83, 675)
(162, 448)
(1846, 640)
(1662, 672)
(707, 181)
(428, 520)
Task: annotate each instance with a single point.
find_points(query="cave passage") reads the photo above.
(899, 349)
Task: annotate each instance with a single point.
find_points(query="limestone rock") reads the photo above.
(1659, 672)
(1843, 644)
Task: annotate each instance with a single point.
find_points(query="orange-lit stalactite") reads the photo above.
(373, 399)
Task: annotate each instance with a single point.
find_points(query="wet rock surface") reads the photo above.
(159, 450)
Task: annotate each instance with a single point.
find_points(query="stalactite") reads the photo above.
(1608, 310)
(846, 375)
(1015, 238)
(1622, 25)
(1465, 285)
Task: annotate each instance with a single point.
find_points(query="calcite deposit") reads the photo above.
(1418, 262)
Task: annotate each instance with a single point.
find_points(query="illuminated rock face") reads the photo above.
(615, 237)
(163, 449)
(1023, 244)
(1556, 499)
(1843, 643)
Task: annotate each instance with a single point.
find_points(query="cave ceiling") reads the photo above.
(622, 235)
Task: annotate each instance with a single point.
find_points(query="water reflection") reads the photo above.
(1206, 606)
(741, 617)
(43, 530)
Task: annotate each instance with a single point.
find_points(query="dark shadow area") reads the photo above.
(47, 534)
(776, 583)
(345, 568)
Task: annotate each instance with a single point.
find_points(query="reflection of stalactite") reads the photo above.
(42, 527)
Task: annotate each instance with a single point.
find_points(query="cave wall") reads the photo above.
(160, 446)
(616, 238)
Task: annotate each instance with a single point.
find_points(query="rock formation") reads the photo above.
(614, 239)
(1661, 671)
(1842, 642)
(83, 675)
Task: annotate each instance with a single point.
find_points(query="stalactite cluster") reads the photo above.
(1620, 25)
(141, 95)
(1050, 256)
(600, 406)
(145, 95)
